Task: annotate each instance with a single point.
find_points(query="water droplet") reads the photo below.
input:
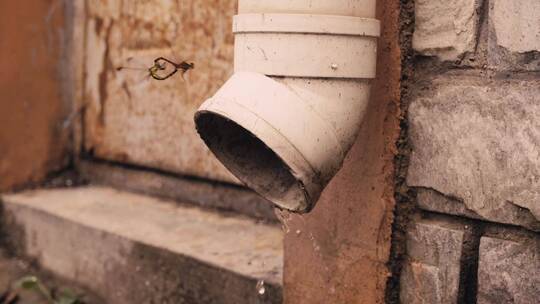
(298, 231)
(261, 289)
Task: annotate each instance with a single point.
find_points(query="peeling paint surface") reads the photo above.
(132, 119)
(33, 105)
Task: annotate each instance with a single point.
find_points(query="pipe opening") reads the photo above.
(251, 161)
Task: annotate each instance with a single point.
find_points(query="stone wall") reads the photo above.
(474, 163)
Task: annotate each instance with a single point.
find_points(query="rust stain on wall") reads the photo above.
(143, 121)
(338, 252)
(33, 140)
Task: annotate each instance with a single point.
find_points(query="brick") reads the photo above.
(445, 28)
(514, 35)
(509, 272)
(431, 272)
(479, 143)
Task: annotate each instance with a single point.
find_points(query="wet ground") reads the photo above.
(13, 269)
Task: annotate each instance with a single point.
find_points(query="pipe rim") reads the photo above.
(306, 24)
(296, 188)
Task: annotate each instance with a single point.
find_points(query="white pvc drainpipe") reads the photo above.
(285, 120)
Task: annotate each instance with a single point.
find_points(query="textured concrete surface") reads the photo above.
(133, 119)
(431, 272)
(33, 136)
(445, 28)
(338, 253)
(509, 271)
(130, 248)
(479, 143)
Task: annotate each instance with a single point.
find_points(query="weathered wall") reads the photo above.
(132, 119)
(475, 137)
(33, 133)
(338, 252)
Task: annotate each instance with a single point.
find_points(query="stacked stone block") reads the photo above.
(514, 35)
(445, 29)
(431, 271)
(474, 129)
(509, 271)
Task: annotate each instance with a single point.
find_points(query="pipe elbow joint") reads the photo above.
(285, 120)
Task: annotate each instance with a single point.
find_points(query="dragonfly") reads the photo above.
(163, 68)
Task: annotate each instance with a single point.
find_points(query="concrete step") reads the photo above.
(205, 193)
(131, 248)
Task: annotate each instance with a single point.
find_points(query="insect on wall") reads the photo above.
(162, 68)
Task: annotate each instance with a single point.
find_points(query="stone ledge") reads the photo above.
(131, 248)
